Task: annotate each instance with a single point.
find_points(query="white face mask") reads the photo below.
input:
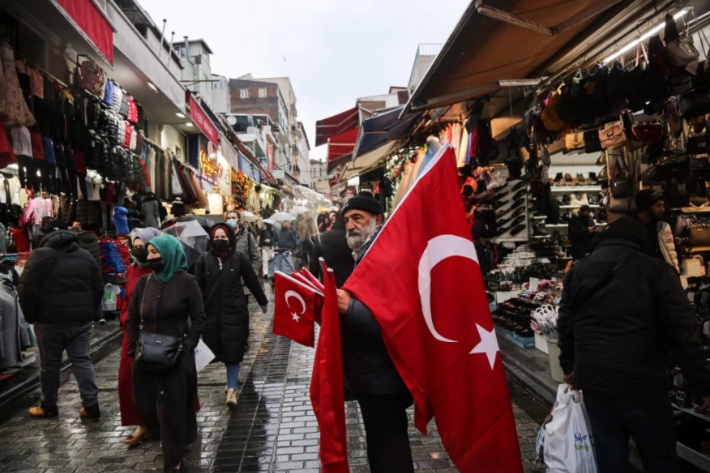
(232, 222)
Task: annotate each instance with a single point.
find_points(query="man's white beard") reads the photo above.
(357, 239)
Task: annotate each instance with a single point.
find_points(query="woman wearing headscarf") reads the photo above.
(162, 303)
(139, 238)
(221, 275)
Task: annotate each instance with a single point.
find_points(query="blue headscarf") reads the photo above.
(173, 256)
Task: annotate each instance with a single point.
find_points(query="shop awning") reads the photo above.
(91, 23)
(337, 124)
(514, 40)
(370, 160)
(340, 147)
(384, 128)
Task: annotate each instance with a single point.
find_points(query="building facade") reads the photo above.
(196, 72)
(319, 176)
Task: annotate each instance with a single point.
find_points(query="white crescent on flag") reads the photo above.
(298, 297)
(438, 249)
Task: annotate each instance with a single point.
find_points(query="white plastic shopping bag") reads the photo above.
(568, 445)
(203, 356)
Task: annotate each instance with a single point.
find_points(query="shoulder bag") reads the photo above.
(156, 352)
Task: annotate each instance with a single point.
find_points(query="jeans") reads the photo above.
(75, 338)
(232, 375)
(648, 419)
(386, 424)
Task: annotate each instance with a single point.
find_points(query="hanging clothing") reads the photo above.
(14, 331)
(16, 111)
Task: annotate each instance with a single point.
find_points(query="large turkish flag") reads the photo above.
(422, 283)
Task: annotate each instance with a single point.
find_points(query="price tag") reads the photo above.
(533, 284)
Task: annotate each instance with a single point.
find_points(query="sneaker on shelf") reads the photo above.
(593, 178)
(584, 200)
(566, 200)
(575, 201)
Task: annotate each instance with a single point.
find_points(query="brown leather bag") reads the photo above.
(612, 135)
(699, 235)
(574, 141)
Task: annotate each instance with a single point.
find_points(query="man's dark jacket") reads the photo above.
(333, 247)
(621, 312)
(367, 367)
(285, 239)
(61, 283)
(579, 235)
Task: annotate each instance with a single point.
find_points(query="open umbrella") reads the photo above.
(282, 217)
(249, 217)
(205, 223)
(270, 222)
(299, 210)
(192, 237)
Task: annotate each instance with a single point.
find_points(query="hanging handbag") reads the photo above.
(648, 132)
(574, 141)
(592, 143)
(156, 352)
(612, 135)
(680, 52)
(621, 185)
(699, 235)
(695, 103)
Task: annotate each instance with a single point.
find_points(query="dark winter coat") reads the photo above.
(367, 366)
(285, 239)
(226, 330)
(333, 247)
(621, 311)
(61, 283)
(579, 235)
(90, 242)
(266, 238)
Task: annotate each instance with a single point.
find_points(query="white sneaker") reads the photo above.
(584, 200)
(575, 201)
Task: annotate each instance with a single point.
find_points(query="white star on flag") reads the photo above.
(488, 345)
(295, 317)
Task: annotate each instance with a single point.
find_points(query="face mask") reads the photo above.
(156, 264)
(220, 246)
(140, 254)
(232, 222)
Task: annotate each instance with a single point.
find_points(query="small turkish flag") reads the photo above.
(314, 280)
(294, 309)
(422, 282)
(318, 288)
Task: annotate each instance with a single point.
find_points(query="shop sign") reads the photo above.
(229, 153)
(208, 159)
(203, 122)
(270, 158)
(246, 167)
(224, 175)
(279, 174)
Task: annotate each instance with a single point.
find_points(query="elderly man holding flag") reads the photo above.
(415, 325)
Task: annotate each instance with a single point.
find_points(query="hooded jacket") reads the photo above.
(226, 329)
(90, 242)
(61, 283)
(621, 311)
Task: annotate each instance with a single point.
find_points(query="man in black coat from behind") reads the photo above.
(582, 230)
(621, 313)
(60, 292)
(333, 247)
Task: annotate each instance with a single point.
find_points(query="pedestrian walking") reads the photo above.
(369, 373)
(621, 310)
(167, 302)
(137, 269)
(285, 238)
(307, 231)
(245, 241)
(60, 292)
(333, 247)
(221, 275)
(650, 208)
(582, 231)
(266, 243)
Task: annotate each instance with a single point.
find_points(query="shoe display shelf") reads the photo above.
(513, 214)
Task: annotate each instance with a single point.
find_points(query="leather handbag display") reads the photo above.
(592, 143)
(156, 352)
(648, 132)
(621, 187)
(680, 52)
(574, 141)
(699, 235)
(612, 135)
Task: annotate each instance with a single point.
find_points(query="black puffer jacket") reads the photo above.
(333, 247)
(61, 283)
(621, 312)
(90, 242)
(226, 330)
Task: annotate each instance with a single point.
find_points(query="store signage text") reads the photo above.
(203, 122)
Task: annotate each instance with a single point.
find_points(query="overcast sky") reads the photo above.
(333, 50)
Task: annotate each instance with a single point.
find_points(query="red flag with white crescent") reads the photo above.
(422, 282)
(294, 309)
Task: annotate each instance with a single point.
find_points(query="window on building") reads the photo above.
(262, 92)
(244, 93)
(182, 51)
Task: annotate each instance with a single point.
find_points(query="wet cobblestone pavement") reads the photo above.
(273, 428)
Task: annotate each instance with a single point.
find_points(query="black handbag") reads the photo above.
(695, 103)
(592, 143)
(156, 352)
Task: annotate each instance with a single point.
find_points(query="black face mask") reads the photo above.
(140, 254)
(156, 264)
(220, 246)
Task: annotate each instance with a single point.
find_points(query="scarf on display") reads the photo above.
(173, 255)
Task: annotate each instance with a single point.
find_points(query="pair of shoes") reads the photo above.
(91, 412)
(231, 398)
(539, 230)
(40, 411)
(132, 440)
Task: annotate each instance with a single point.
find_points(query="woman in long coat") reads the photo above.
(137, 269)
(163, 303)
(220, 274)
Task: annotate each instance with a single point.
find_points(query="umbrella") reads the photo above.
(270, 222)
(299, 210)
(282, 217)
(192, 237)
(205, 223)
(249, 217)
